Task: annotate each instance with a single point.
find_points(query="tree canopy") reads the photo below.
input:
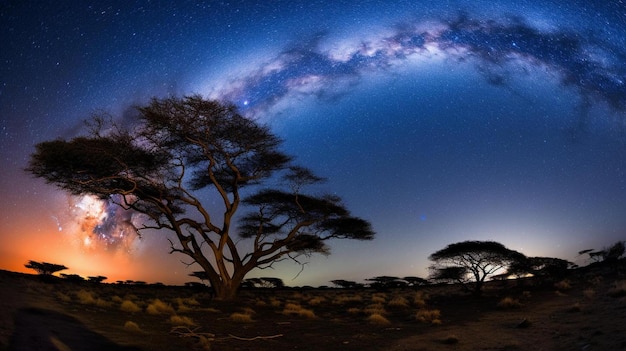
(45, 268)
(181, 156)
(471, 262)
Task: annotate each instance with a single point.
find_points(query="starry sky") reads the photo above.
(437, 121)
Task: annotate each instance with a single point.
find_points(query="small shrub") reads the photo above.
(429, 316)
(419, 300)
(509, 302)
(129, 306)
(102, 303)
(563, 285)
(181, 320)
(241, 317)
(158, 307)
(260, 303)
(398, 302)
(275, 302)
(85, 297)
(291, 308)
(378, 319)
(132, 327)
(375, 308)
(379, 298)
(117, 299)
(344, 299)
(316, 301)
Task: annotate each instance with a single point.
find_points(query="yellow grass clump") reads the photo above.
(117, 299)
(129, 306)
(63, 297)
(344, 299)
(292, 308)
(354, 310)
(375, 308)
(398, 302)
(241, 317)
(132, 327)
(159, 307)
(181, 320)
(419, 300)
(316, 301)
(85, 297)
(378, 319)
(429, 316)
(379, 298)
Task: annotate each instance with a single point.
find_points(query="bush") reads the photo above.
(291, 308)
(132, 327)
(429, 316)
(85, 297)
(375, 308)
(181, 320)
(129, 306)
(398, 302)
(419, 300)
(241, 317)
(378, 319)
(158, 307)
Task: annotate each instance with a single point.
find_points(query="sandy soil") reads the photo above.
(588, 313)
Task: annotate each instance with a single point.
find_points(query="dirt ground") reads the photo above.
(586, 311)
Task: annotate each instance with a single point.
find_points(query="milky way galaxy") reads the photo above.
(437, 122)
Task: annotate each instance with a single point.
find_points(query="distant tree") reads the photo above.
(610, 254)
(265, 283)
(97, 279)
(386, 282)
(183, 151)
(74, 278)
(415, 281)
(45, 268)
(471, 262)
(346, 284)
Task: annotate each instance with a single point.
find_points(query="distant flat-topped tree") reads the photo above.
(185, 154)
(471, 262)
(45, 268)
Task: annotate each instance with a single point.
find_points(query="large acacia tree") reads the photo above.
(186, 165)
(471, 262)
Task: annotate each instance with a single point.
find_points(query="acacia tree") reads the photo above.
(183, 155)
(471, 262)
(45, 268)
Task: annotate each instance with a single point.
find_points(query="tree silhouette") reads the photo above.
(346, 284)
(182, 156)
(471, 262)
(45, 268)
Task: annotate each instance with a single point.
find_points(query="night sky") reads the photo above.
(464, 120)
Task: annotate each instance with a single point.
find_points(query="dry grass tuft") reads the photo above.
(378, 319)
(563, 285)
(375, 308)
(419, 300)
(132, 327)
(344, 299)
(292, 308)
(509, 302)
(379, 298)
(429, 316)
(354, 310)
(129, 306)
(275, 302)
(316, 301)
(181, 320)
(398, 302)
(241, 317)
(117, 299)
(159, 307)
(85, 297)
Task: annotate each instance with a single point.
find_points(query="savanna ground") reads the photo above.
(584, 311)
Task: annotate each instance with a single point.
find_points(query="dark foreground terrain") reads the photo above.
(584, 311)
